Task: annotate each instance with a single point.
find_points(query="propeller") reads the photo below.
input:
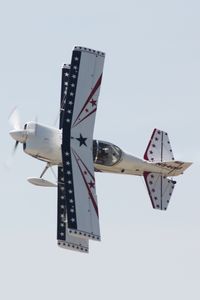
(17, 132)
(9, 161)
(14, 119)
(15, 147)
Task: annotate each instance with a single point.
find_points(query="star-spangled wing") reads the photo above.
(83, 89)
(65, 239)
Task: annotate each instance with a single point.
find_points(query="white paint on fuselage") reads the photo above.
(132, 165)
(44, 143)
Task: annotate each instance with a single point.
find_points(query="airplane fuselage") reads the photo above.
(44, 143)
(78, 155)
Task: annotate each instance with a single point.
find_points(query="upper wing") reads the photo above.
(83, 89)
(65, 240)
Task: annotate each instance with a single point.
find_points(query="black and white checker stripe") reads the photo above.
(61, 207)
(61, 199)
(64, 86)
(66, 139)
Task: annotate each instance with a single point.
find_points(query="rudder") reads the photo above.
(159, 148)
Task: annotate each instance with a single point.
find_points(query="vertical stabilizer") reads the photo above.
(159, 148)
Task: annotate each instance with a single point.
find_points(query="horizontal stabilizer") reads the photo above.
(160, 189)
(173, 168)
(159, 148)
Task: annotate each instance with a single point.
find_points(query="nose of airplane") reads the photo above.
(19, 135)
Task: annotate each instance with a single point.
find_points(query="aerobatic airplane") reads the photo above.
(78, 156)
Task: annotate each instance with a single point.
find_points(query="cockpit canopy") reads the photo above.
(105, 153)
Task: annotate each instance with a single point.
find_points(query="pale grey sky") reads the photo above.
(151, 79)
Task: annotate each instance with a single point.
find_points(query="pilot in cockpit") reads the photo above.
(105, 154)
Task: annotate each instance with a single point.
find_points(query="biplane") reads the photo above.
(72, 149)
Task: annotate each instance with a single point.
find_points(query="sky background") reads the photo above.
(151, 79)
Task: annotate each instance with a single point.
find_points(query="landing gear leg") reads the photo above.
(45, 169)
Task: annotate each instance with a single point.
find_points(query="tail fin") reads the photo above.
(159, 148)
(160, 189)
(159, 186)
